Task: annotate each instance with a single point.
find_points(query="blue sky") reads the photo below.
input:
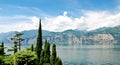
(58, 13)
(55, 7)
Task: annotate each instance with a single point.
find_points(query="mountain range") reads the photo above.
(101, 36)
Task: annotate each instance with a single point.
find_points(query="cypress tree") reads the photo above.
(2, 48)
(54, 54)
(47, 52)
(58, 61)
(32, 47)
(42, 57)
(39, 42)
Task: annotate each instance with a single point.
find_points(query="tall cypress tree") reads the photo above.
(2, 48)
(42, 57)
(32, 47)
(47, 52)
(39, 42)
(54, 54)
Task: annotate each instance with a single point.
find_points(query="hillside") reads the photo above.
(69, 37)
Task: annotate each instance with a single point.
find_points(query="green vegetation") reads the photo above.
(39, 42)
(17, 39)
(30, 56)
(1, 53)
(25, 57)
(32, 47)
(2, 49)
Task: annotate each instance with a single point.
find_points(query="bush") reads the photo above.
(26, 57)
(1, 60)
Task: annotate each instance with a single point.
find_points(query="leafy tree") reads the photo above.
(25, 57)
(15, 60)
(17, 39)
(15, 47)
(39, 42)
(1, 60)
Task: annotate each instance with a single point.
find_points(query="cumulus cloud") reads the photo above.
(90, 20)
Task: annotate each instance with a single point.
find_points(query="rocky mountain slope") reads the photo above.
(102, 36)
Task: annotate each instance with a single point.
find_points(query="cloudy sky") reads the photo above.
(58, 15)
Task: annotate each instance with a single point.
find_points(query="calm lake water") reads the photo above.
(89, 55)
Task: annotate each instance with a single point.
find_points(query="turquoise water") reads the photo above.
(89, 55)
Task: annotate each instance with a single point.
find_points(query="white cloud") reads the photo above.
(22, 23)
(89, 21)
(96, 20)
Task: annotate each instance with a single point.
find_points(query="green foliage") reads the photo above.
(54, 60)
(58, 61)
(17, 39)
(1, 59)
(15, 60)
(39, 42)
(42, 57)
(23, 57)
(15, 47)
(31, 57)
(54, 54)
(47, 52)
(51, 60)
(2, 49)
(32, 47)
(46, 64)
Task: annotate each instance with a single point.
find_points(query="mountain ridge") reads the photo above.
(65, 37)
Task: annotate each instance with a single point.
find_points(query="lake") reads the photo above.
(89, 55)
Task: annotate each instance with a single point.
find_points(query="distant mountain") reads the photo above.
(114, 31)
(106, 35)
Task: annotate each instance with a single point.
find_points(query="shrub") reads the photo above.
(23, 57)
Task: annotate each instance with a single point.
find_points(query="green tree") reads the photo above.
(2, 49)
(2, 60)
(58, 61)
(54, 54)
(47, 52)
(17, 39)
(32, 47)
(42, 57)
(24, 57)
(15, 47)
(39, 42)
(54, 60)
